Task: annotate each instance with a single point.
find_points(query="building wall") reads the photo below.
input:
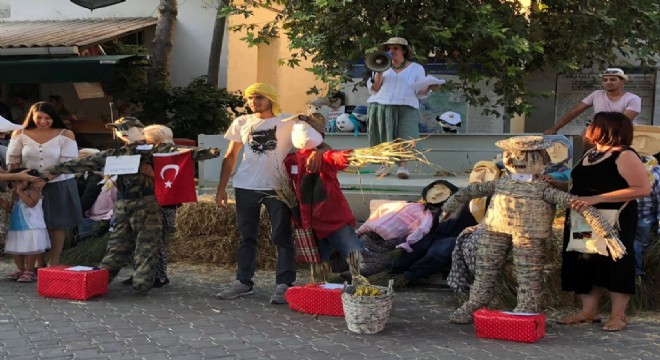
(261, 64)
(192, 39)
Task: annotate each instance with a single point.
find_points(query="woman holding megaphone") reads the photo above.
(393, 105)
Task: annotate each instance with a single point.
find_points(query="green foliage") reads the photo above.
(201, 108)
(496, 41)
(198, 108)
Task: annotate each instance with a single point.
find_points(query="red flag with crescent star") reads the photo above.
(174, 178)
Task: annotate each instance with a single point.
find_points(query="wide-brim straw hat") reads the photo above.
(524, 143)
(315, 120)
(398, 41)
(646, 139)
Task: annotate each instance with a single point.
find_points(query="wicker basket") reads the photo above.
(368, 314)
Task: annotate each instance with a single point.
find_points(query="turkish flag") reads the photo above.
(174, 178)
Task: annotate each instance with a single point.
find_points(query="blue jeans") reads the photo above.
(345, 240)
(248, 210)
(643, 235)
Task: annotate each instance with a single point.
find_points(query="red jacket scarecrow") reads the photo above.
(322, 205)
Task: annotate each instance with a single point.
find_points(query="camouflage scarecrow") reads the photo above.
(520, 213)
(137, 213)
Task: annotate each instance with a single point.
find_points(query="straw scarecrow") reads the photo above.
(137, 213)
(520, 214)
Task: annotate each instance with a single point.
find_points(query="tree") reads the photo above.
(213, 72)
(161, 46)
(497, 41)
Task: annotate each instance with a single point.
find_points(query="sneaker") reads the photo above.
(15, 275)
(278, 296)
(236, 289)
(383, 170)
(403, 172)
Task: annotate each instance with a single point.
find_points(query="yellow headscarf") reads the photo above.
(266, 90)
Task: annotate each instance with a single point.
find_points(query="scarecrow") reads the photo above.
(520, 214)
(322, 215)
(137, 213)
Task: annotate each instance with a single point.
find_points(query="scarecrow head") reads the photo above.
(308, 130)
(525, 154)
(437, 192)
(646, 139)
(129, 129)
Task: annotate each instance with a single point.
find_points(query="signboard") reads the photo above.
(571, 89)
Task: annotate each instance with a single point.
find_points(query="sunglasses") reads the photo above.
(613, 72)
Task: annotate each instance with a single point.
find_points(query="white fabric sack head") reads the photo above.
(8, 126)
(303, 135)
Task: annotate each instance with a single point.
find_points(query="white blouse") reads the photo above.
(395, 89)
(32, 155)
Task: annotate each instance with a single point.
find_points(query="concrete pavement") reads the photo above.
(185, 321)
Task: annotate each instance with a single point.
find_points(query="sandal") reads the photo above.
(27, 277)
(579, 318)
(14, 276)
(616, 324)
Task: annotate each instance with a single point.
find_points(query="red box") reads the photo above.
(58, 282)
(313, 299)
(492, 324)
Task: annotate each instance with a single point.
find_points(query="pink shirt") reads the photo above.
(397, 220)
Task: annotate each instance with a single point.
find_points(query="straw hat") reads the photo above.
(524, 143)
(615, 72)
(646, 139)
(315, 120)
(398, 41)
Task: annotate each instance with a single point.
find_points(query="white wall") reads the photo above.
(192, 40)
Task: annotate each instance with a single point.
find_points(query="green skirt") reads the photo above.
(390, 122)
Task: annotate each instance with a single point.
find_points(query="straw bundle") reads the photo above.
(390, 153)
(208, 234)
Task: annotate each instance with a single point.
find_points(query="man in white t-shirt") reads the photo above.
(267, 141)
(611, 99)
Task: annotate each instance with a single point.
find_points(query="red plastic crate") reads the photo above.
(313, 299)
(492, 324)
(57, 282)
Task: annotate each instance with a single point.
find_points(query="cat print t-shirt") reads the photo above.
(266, 142)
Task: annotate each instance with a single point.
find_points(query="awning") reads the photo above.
(65, 37)
(65, 70)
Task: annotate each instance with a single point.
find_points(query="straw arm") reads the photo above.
(472, 191)
(603, 228)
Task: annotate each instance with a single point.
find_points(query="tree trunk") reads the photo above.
(161, 46)
(213, 72)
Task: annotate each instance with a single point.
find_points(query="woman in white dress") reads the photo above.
(44, 141)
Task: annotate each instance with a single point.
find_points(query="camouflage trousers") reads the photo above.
(136, 234)
(528, 259)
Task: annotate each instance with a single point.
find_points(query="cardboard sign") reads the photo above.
(120, 165)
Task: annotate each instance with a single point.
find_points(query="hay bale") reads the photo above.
(208, 234)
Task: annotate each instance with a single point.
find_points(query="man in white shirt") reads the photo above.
(268, 141)
(611, 99)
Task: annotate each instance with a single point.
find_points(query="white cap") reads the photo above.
(450, 117)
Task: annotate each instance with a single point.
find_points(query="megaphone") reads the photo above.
(378, 61)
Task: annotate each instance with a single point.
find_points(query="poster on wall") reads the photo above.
(571, 89)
